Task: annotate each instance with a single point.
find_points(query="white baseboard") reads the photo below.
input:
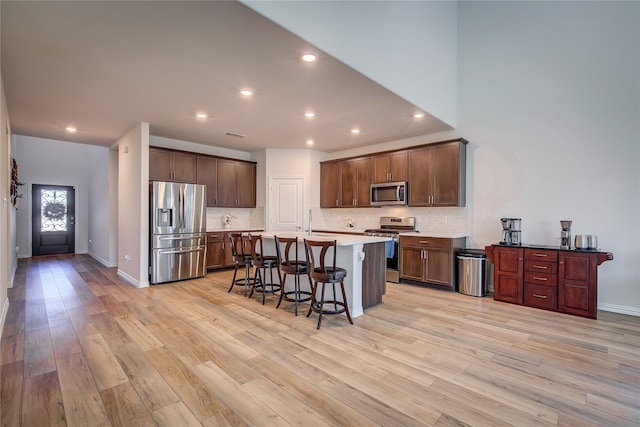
(621, 309)
(5, 310)
(132, 280)
(102, 260)
(13, 273)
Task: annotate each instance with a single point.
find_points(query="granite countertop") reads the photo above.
(226, 230)
(341, 239)
(549, 247)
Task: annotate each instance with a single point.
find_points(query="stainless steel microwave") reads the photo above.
(389, 193)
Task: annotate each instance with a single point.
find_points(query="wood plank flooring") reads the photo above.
(80, 347)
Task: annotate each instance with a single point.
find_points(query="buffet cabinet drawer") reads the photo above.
(541, 266)
(540, 278)
(541, 255)
(426, 242)
(540, 296)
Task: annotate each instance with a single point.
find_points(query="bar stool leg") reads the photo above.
(233, 281)
(321, 306)
(346, 306)
(314, 287)
(282, 282)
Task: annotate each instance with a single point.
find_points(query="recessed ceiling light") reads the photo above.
(201, 115)
(309, 57)
(71, 129)
(309, 141)
(309, 114)
(246, 92)
(418, 115)
(355, 131)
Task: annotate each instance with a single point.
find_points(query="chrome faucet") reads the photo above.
(310, 218)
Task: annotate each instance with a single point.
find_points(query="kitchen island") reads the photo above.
(362, 256)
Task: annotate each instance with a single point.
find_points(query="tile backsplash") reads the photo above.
(242, 217)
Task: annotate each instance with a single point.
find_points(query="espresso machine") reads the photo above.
(511, 232)
(565, 234)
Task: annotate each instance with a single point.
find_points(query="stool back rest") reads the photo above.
(255, 243)
(290, 252)
(238, 246)
(319, 264)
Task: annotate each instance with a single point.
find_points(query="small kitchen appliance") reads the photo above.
(511, 232)
(565, 234)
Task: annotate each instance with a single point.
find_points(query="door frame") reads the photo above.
(29, 200)
(270, 198)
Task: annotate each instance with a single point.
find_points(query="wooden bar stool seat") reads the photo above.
(290, 264)
(261, 263)
(241, 252)
(323, 273)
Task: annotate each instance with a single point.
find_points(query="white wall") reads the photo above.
(8, 260)
(103, 205)
(550, 97)
(133, 205)
(47, 161)
(408, 47)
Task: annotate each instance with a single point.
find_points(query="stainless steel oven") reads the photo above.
(392, 227)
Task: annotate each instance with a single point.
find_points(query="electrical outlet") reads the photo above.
(127, 258)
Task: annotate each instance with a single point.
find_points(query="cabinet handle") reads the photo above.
(541, 267)
(336, 202)
(540, 296)
(540, 255)
(424, 242)
(544, 279)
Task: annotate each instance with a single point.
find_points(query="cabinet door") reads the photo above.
(364, 170)
(446, 175)
(348, 183)
(206, 174)
(412, 264)
(215, 254)
(246, 182)
(159, 165)
(438, 269)
(329, 184)
(227, 183)
(390, 167)
(508, 285)
(184, 167)
(420, 177)
(577, 287)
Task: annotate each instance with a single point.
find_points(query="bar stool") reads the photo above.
(242, 258)
(290, 264)
(260, 264)
(322, 273)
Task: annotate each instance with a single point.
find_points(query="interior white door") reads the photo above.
(286, 205)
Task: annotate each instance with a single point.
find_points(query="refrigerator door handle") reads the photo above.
(180, 251)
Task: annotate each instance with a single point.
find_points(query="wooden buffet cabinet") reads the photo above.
(563, 280)
(230, 183)
(436, 175)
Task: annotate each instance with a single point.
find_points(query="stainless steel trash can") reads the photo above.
(472, 272)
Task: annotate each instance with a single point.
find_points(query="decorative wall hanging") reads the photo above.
(15, 184)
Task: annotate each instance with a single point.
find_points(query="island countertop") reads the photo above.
(341, 239)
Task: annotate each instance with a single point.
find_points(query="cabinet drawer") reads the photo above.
(541, 266)
(216, 236)
(541, 255)
(426, 242)
(541, 278)
(541, 296)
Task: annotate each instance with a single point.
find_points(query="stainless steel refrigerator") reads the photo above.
(177, 231)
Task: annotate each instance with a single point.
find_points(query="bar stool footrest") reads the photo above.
(287, 296)
(316, 307)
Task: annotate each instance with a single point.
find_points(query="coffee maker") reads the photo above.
(565, 234)
(511, 232)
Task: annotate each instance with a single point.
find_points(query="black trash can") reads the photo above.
(472, 272)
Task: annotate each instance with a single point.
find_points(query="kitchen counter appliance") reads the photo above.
(392, 227)
(511, 232)
(177, 231)
(389, 194)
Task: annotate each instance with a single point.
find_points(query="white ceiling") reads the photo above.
(105, 66)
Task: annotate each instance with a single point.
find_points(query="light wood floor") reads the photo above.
(82, 348)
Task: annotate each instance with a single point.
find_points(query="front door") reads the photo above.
(53, 220)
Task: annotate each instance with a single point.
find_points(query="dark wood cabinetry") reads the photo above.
(437, 174)
(207, 174)
(217, 246)
(169, 165)
(429, 260)
(551, 279)
(390, 167)
(236, 184)
(355, 182)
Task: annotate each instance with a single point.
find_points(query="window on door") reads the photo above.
(53, 220)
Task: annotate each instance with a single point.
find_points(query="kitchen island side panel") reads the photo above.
(374, 281)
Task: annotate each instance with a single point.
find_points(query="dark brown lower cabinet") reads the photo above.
(551, 279)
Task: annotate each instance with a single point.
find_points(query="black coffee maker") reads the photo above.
(511, 232)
